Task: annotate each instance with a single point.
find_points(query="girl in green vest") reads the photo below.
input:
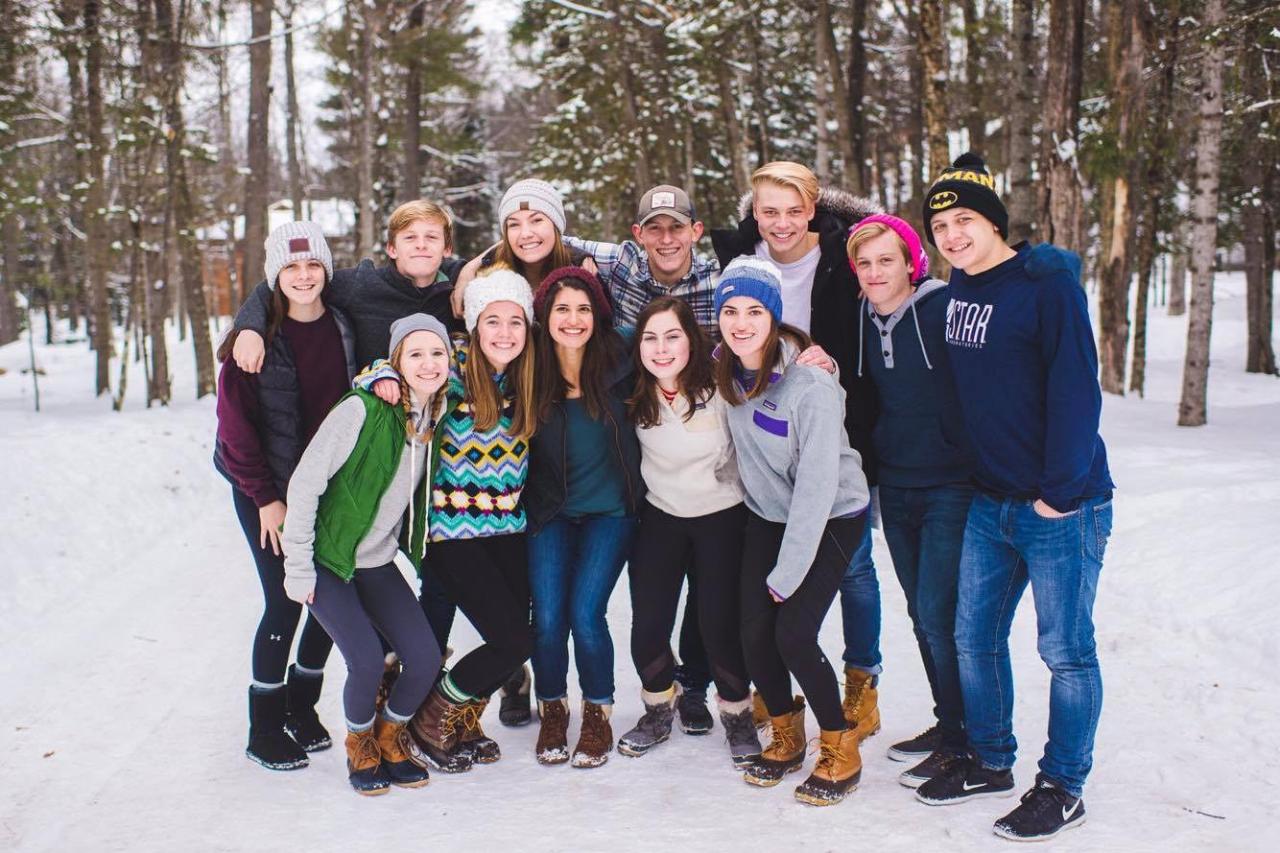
(367, 468)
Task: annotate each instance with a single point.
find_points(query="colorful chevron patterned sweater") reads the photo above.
(479, 475)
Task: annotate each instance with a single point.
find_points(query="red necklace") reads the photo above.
(669, 396)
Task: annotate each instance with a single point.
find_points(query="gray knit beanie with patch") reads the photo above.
(296, 241)
(532, 194)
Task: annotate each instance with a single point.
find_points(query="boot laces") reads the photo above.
(471, 729)
(782, 741)
(451, 719)
(368, 752)
(854, 696)
(828, 755)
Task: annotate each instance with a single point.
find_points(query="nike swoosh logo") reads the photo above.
(1068, 812)
(969, 787)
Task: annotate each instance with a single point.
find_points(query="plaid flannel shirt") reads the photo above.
(624, 270)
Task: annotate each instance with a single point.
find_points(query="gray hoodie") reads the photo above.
(796, 464)
(326, 453)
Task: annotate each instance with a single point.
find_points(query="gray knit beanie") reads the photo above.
(532, 194)
(498, 285)
(406, 326)
(296, 241)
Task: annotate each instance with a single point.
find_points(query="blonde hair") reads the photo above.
(869, 232)
(485, 397)
(421, 209)
(793, 176)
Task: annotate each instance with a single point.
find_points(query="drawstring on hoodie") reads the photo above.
(919, 335)
(915, 317)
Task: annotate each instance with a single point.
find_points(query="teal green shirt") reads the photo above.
(596, 484)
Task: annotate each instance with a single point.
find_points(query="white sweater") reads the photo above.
(689, 466)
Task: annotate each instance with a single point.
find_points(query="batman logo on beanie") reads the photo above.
(943, 200)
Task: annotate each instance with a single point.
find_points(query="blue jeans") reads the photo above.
(1006, 545)
(573, 567)
(860, 607)
(924, 528)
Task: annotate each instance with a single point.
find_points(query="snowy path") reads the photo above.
(128, 603)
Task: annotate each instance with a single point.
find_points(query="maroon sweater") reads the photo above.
(322, 379)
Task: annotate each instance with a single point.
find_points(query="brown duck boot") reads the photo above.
(483, 749)
(390, 672)
(553, 736)
(837, 772)
(437, 729)
(861, 702)
(364, 764)
(784, 754)
(759, 713)
(402, 760)
(595, 742)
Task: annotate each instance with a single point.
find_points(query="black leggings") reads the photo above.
(710, 546)
(781, 640)
(377, 602)
(280, 615)
(488, 578)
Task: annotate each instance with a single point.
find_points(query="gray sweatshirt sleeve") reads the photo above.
(326, 453)
(818, 416)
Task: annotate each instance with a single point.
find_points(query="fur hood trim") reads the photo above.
(844, 205)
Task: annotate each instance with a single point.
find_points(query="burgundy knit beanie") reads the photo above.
(599, 301)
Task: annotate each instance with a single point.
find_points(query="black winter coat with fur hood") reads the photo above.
(834, 300)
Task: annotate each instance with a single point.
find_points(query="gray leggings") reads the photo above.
(377, 601)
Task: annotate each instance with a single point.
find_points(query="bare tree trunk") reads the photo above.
(619, 36)
(1258, 176)
(258, 148)
(9, 284)
(1126, 48)
(96, 198)
(412, 186)
(1178, 272)
(858, 175)
(974, 121)
(229, 196)
(735, 139)
(830, 55)
(169, 31)
(1193, 408)
(933, 45)
(291, 129)
(757, 91)
(1022, 200)
(365, 206)
(822, 146)
(1061, 202)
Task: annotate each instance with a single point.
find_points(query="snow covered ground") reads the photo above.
(129, 601)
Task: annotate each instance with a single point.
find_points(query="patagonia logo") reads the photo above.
(699, 406)
(774, 426)
(770, 405)
(299, 244)
(943, 200)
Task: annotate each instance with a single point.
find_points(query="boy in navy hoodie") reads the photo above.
(1025, 365)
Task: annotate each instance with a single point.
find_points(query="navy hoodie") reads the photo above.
(1026, 369)
(919, 435)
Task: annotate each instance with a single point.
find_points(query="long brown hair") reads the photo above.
(695, 381)
(603, 350)
(727, 362)
(485, 398)
(277, 310)
(504, 255)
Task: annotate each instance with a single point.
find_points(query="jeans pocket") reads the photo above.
(1097, 538)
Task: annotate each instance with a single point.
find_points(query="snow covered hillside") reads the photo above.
(129, 600)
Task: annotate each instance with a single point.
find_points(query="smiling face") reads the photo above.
(423, 362)
(502, 332)
(968, 240)
(531, 235)
(745, 325)
(664, 348)
(418, 249)
(668, 246)
(570, 321)
(883, 273)
(783, 215)
(301, 281)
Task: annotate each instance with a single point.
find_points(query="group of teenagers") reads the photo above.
(523, 426)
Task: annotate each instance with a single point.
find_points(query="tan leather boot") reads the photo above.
(483, 749)
(837, 772)
(402, 760)
(861, 702)
(785, 752)
(364, 764)
(759, 713)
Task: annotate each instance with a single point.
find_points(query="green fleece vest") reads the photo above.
(350, 502)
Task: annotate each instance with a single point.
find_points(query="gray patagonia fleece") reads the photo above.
(327, 452)
(796, 464)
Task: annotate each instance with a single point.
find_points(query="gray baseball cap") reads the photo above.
(665, 200)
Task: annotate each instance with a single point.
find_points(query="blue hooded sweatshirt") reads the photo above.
(1026, 370)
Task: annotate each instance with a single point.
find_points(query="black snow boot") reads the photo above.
(302, 692)
(269, 743)
(691, 706)
(514, 708)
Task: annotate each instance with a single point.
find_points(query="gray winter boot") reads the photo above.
(655, 724)
(740, 731)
